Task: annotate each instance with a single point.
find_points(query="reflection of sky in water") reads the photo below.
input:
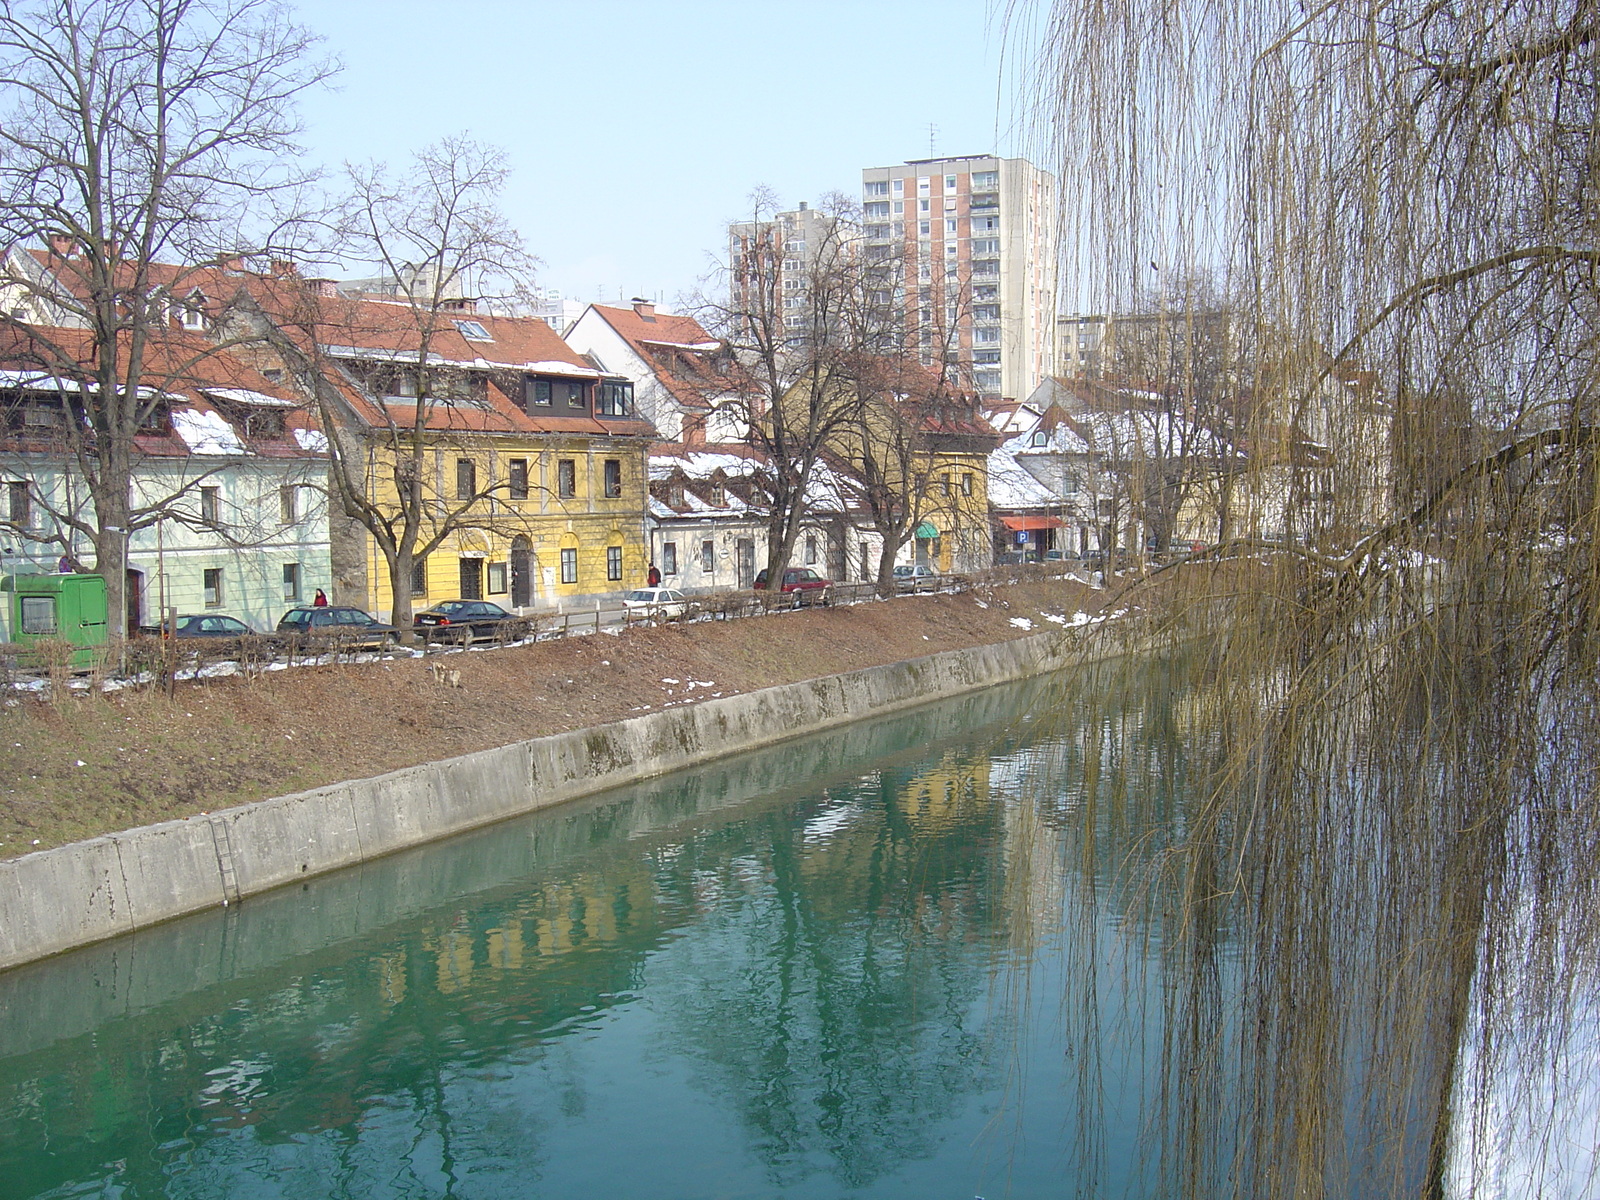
(798, 977)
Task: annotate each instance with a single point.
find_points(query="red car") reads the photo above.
(804, 584)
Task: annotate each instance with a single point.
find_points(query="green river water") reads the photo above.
(850, 966)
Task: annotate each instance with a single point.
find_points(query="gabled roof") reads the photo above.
(209, 393)
(500, 351)
(691, 364)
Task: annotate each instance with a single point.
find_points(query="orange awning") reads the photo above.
(1019, 524)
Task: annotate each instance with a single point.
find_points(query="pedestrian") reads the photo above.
(320, 600)
(654, 577)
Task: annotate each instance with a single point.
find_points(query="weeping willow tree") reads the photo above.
(1396, 853)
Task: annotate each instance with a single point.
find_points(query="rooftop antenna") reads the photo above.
(933, 133)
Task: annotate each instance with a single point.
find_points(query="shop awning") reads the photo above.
(1020, 524)
(927, 530)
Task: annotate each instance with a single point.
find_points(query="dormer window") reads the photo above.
(192, 312)
(474, 331)
(1041, 438)
(719, 495)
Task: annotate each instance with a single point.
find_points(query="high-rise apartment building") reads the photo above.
(780, 252)
(975, 241)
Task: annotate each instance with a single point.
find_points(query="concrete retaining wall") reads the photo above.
(73, 895)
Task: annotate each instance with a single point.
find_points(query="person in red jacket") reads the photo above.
(653, 578)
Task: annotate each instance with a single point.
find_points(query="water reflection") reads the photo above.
(837, 968)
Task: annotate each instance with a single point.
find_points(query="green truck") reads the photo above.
(67, 609)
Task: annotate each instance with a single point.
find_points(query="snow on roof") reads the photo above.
(546, 366)
(246, 396)
(703, 347)
(697, 464)
(311, 439)
(1011, 485)
(206, 432)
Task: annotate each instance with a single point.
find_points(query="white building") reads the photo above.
(976, 240)
(685, 382)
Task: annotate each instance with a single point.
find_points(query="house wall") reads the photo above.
(588, 523)
(250, 544)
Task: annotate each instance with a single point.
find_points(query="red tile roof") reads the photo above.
(190, 369)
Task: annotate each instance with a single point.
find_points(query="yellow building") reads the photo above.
(914, 453)
(518, 468)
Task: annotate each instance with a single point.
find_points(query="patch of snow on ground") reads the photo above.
(1022, 622)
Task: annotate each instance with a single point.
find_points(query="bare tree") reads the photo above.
(141, 132)
(801, 334)
(442, 246)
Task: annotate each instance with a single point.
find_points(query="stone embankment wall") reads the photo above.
(74, 895)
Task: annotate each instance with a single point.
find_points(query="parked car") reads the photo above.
(349, 627)
(915, 577)
(205, 625)
(464, 620)
(655, 602)
(802, 583)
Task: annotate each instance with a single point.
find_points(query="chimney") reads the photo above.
(645, 309)
(802, 206)
(282, 268)
(323, 287)
(61, 245)
(458, 304)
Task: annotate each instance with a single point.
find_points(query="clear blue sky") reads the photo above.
(637, 130)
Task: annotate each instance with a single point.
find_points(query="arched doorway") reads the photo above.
(522, 568)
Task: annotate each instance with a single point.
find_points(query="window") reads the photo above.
(473, 331)
(669, 558)
(792, 264)
(194, 313)
(497, 578)
(471, 573)
(291, 581)
(211, 584)
(985, 179)
(419, 576)
(923, 185)
(613, 478)
(949, 183)
(948, 484)
(210, 505)
(986, 245)
(986, 335)
(708, 556)
(567, 479)
(1040, 438)
(569, 564)
(39, 615)
(616, 398)
(288, 505)
(899, 207)
(466, 479)
(517, 487)
(950, 226)
(613, 562)
(985, 224)
(966, 485)
(898, 187)
(880, 209)
(877, 188)
(924, 206)
(19, 504)
(811, 549)
(273, 374)
(924, 228)
(537, 392)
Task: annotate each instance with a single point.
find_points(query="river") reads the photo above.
(902, 961)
